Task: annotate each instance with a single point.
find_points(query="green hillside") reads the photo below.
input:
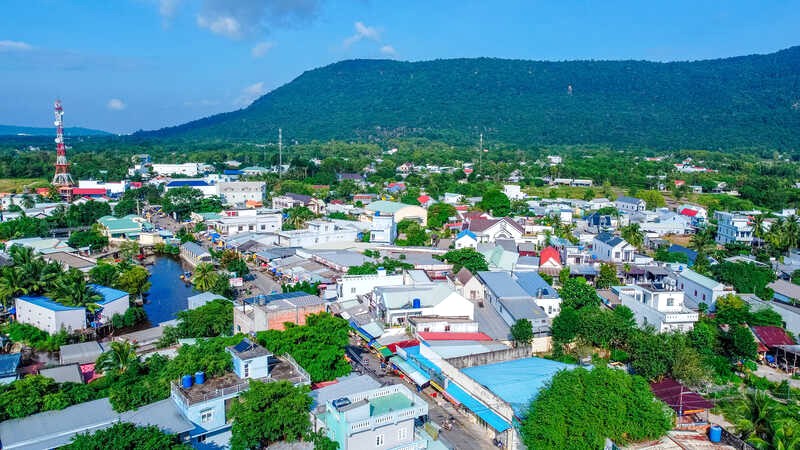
(13, 130)
(747, 101)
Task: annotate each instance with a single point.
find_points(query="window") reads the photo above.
(402, 434)
(447, 328)
(352, 290)
(206, 415)
(379, 440)
(246, 370)
(670, 301)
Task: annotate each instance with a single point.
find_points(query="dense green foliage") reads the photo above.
(470, 258)
(577, 293)
(318, 346)
(215, 318)
(723, 103)
(579, 409)
(268, 413)
(369, 268)
(126, 436)
(745, 277)
(34, 337)
(35, 393)
(522, 331)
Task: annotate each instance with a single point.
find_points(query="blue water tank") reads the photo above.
(416, 303)
(186, 381)
(200, 377)
(715, 433)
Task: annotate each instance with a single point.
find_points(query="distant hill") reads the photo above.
(12, 130)
(744, 101)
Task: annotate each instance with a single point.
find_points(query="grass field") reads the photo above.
(18, 184)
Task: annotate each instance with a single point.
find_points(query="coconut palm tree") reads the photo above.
(21, 255)
(120, 357)
(791, 231)
(758, 226)
(754, 414)
(704, 240)
(71, 289)
(12, 284)
(204, 276)
(633, 234)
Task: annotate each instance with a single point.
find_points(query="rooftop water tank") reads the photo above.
(416, 303)
(200, 377)
(186, 381)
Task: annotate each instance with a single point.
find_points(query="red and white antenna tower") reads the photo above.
(62, 180)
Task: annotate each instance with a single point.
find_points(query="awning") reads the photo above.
(385, 352)
(493, 419)
(409, 370)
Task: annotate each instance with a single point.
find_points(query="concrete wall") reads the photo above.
(49, 320)
(480, 359)
(391, 435)
(118, 306)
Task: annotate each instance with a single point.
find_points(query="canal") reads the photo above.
(168, 293)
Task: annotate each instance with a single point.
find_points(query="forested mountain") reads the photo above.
(13, 130)
(747, 101)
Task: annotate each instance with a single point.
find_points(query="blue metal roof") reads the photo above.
(532, 282)
(109, 294)
(466, 233)
(232, 172)
(492, 418)
(184, 183)
(47, 303)
(9, 364)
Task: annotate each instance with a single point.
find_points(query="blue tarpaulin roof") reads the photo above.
(9, 364)
(410, 369)
(516, 382)
(425, 363)
(492, 418)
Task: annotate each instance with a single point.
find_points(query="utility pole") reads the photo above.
(280, 152)
(480, 158)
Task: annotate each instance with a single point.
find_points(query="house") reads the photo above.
(700, 289)
(356, 178)
(467, 284)
(42, 246)
(64, 374)
(550, 261)
(318, 232)
(394, 304)
(270, 312)
(630, 204)
(382, 418)
(252, 171)
(123, 228)
(399, 211)
(238, 221)
(290, 200)
(196, 301)
(425, 200)
(667, 222)
(365, 199)
(466, 239)
(194, 253)
(694, 212)
(512, 302)
(203, 186)
(498, 258)
(610, 248)
(9, 367)
(81, 353)
(451, 198)
(383, 229)
(785, 292)
(790, 315)
(350, 287)
(489, 230)
(71, 261)
(188, 169)
(240, 192)
(51, 316)
(513, 192)
(658, 305)
(733, 228)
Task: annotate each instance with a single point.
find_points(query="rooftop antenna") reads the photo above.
(280, 152)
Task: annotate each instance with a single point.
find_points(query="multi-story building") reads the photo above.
(270, 312)
(239, 192)
(381, 418)
(237, 221)
(658, 305)
(733, 228)
(290, 200)
(383, 229)
(188, 169)
(399, 211)
(349, 287)
(521, 295)
(318, 232)
(701, 289)
(395, 304)
(52, 317)
(208, 189)
(630, 204)
(607, 247)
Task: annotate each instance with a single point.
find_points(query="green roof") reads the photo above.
(122, 224)
(386, 206)
(388, 404)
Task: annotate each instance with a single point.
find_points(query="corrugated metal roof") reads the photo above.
(452, 336)
(47, 303)
(702, 280)
(772, 336)
(9, 363)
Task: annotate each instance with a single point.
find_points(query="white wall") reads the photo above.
(350, 287)
(48, 320)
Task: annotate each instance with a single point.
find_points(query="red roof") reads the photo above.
(423, 199)
(43, 191)
(679, 397)
(448, 336)
(679, 182)
(88, 191)
(136, 184)
(468, 171)
(549, 253)
(689, 212)
(772, 336)
(402, 344)
(462, 207)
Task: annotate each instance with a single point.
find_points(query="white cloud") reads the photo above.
(14, 46)
(237, 19)
(168, 8)
(249, 94)
(261, 49)
(116, 104)
(388, 50)
(362, 32)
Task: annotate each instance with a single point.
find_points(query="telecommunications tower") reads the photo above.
(62, 180)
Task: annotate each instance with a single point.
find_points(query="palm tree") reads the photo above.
(758, 226)
(204, 276)
(754, 414)
(21, 255)
(12, 284)
(791, 231)
(633, 234)
(71, 289)
(119, 358)
(704, 240)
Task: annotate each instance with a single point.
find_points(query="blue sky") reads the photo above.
(124, 65)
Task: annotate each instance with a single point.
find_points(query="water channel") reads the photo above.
(168, 293)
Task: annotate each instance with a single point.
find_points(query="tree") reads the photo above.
(133, 280)
(740, 343)
(565, 325)
(607, 277)
(203, 277)
(119, 358)
(415, 235)
(71, 289)
(470, 258)
(703, 241)
(104, 274)
(687, 367)
(522, 331)
(650, 357)
(181, 201)
(296, 217)
(269, 412)
(496, 202)
(572, 411)
(654, 199)
(439, 214)
(126, 436)
(576, 293)
(633, 234)
(92, 239)
(732, 310)
(128, 249)
(215, 318)
(745, 277)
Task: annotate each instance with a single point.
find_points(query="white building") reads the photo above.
(239, 192)
(466, 239)
(659, 306)
(607, 247)
(701, 289)
(383, 229)
(349, 287)
(630, 204)
(52, 317)
(733, 228)
(188, 169)
(395, 305)
(318, 232)
(201, 185)
(513, 192)
(238, 221)
(112, 188)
